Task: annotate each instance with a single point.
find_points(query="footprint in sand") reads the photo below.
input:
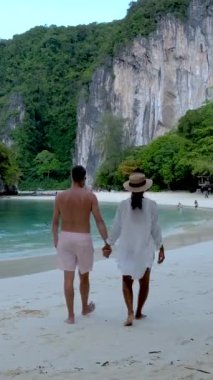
(202, 293)
(5, 317)
(209, 338)
(14, 372)
(51, 338)
(186, 341)
(31, 313)
(171, 274)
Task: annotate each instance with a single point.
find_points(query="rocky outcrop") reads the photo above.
(11, 116)
(151, 83)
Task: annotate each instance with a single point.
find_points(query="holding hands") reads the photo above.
(107, 250)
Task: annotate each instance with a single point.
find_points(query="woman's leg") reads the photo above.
(128, 298)
(143, 293)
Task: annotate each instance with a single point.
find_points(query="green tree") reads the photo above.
(162, 160)
(9, 171)
(46, 163)
(197, 126)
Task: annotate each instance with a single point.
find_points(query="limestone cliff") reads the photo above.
(151, 83)
(10, 116)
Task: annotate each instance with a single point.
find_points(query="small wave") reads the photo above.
(40, 225)
(26, 253)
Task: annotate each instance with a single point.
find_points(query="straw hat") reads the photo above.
(137, 183)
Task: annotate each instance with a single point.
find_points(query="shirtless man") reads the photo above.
(74, 244)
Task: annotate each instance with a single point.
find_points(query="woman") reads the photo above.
(136, 226)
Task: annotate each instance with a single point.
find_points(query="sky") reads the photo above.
(18, 16)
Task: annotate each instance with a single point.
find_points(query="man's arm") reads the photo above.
(55, 222)
(98, 219)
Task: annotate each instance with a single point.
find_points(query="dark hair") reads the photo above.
(136, 200)
(78, 173)
(138, 170)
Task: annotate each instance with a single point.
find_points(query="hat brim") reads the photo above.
(139, 189)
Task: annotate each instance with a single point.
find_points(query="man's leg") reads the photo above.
(143, 293)
(84, 291)
(128, 298)
(69, 294)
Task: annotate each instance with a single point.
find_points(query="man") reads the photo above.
(74, 244)
(137, 228)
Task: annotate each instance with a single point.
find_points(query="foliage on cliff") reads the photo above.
(9, 172)
(48, 66)
(175, 160)
(143, 16)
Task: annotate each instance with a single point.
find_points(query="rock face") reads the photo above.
(14, 114)
(151, 83)
(16, 111)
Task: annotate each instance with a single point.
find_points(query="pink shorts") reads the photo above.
(75, 249)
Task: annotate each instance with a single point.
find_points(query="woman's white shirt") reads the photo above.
(139, 234)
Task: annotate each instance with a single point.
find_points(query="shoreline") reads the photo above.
(191, 235)
(166, 198)
(38, 264)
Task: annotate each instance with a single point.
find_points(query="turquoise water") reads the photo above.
(25, 225)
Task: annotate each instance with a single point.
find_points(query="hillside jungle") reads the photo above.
(47, 67)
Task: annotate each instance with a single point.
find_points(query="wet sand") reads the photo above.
(27, 266)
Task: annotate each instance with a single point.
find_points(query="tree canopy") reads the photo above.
(174, 160)
(9, 171)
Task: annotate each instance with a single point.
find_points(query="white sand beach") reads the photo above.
(163, 197)
(175, 341)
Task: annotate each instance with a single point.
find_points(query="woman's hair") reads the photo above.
(136, 200)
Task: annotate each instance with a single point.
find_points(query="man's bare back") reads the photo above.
(75, 206)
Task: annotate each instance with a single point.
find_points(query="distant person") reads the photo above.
(137, 228)
(206, 193)
(74, 243)
(196, 204)
(180, 206)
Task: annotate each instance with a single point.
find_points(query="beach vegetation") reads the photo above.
(9, 171)
(46, 163)
(174, 161)
(197, 126)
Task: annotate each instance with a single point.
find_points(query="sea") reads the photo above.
(25, 225)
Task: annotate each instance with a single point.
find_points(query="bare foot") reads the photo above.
(139, 316)
(90, 308)
(70, 320)
(129, 321)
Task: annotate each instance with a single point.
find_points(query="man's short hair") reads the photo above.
(78, 173)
